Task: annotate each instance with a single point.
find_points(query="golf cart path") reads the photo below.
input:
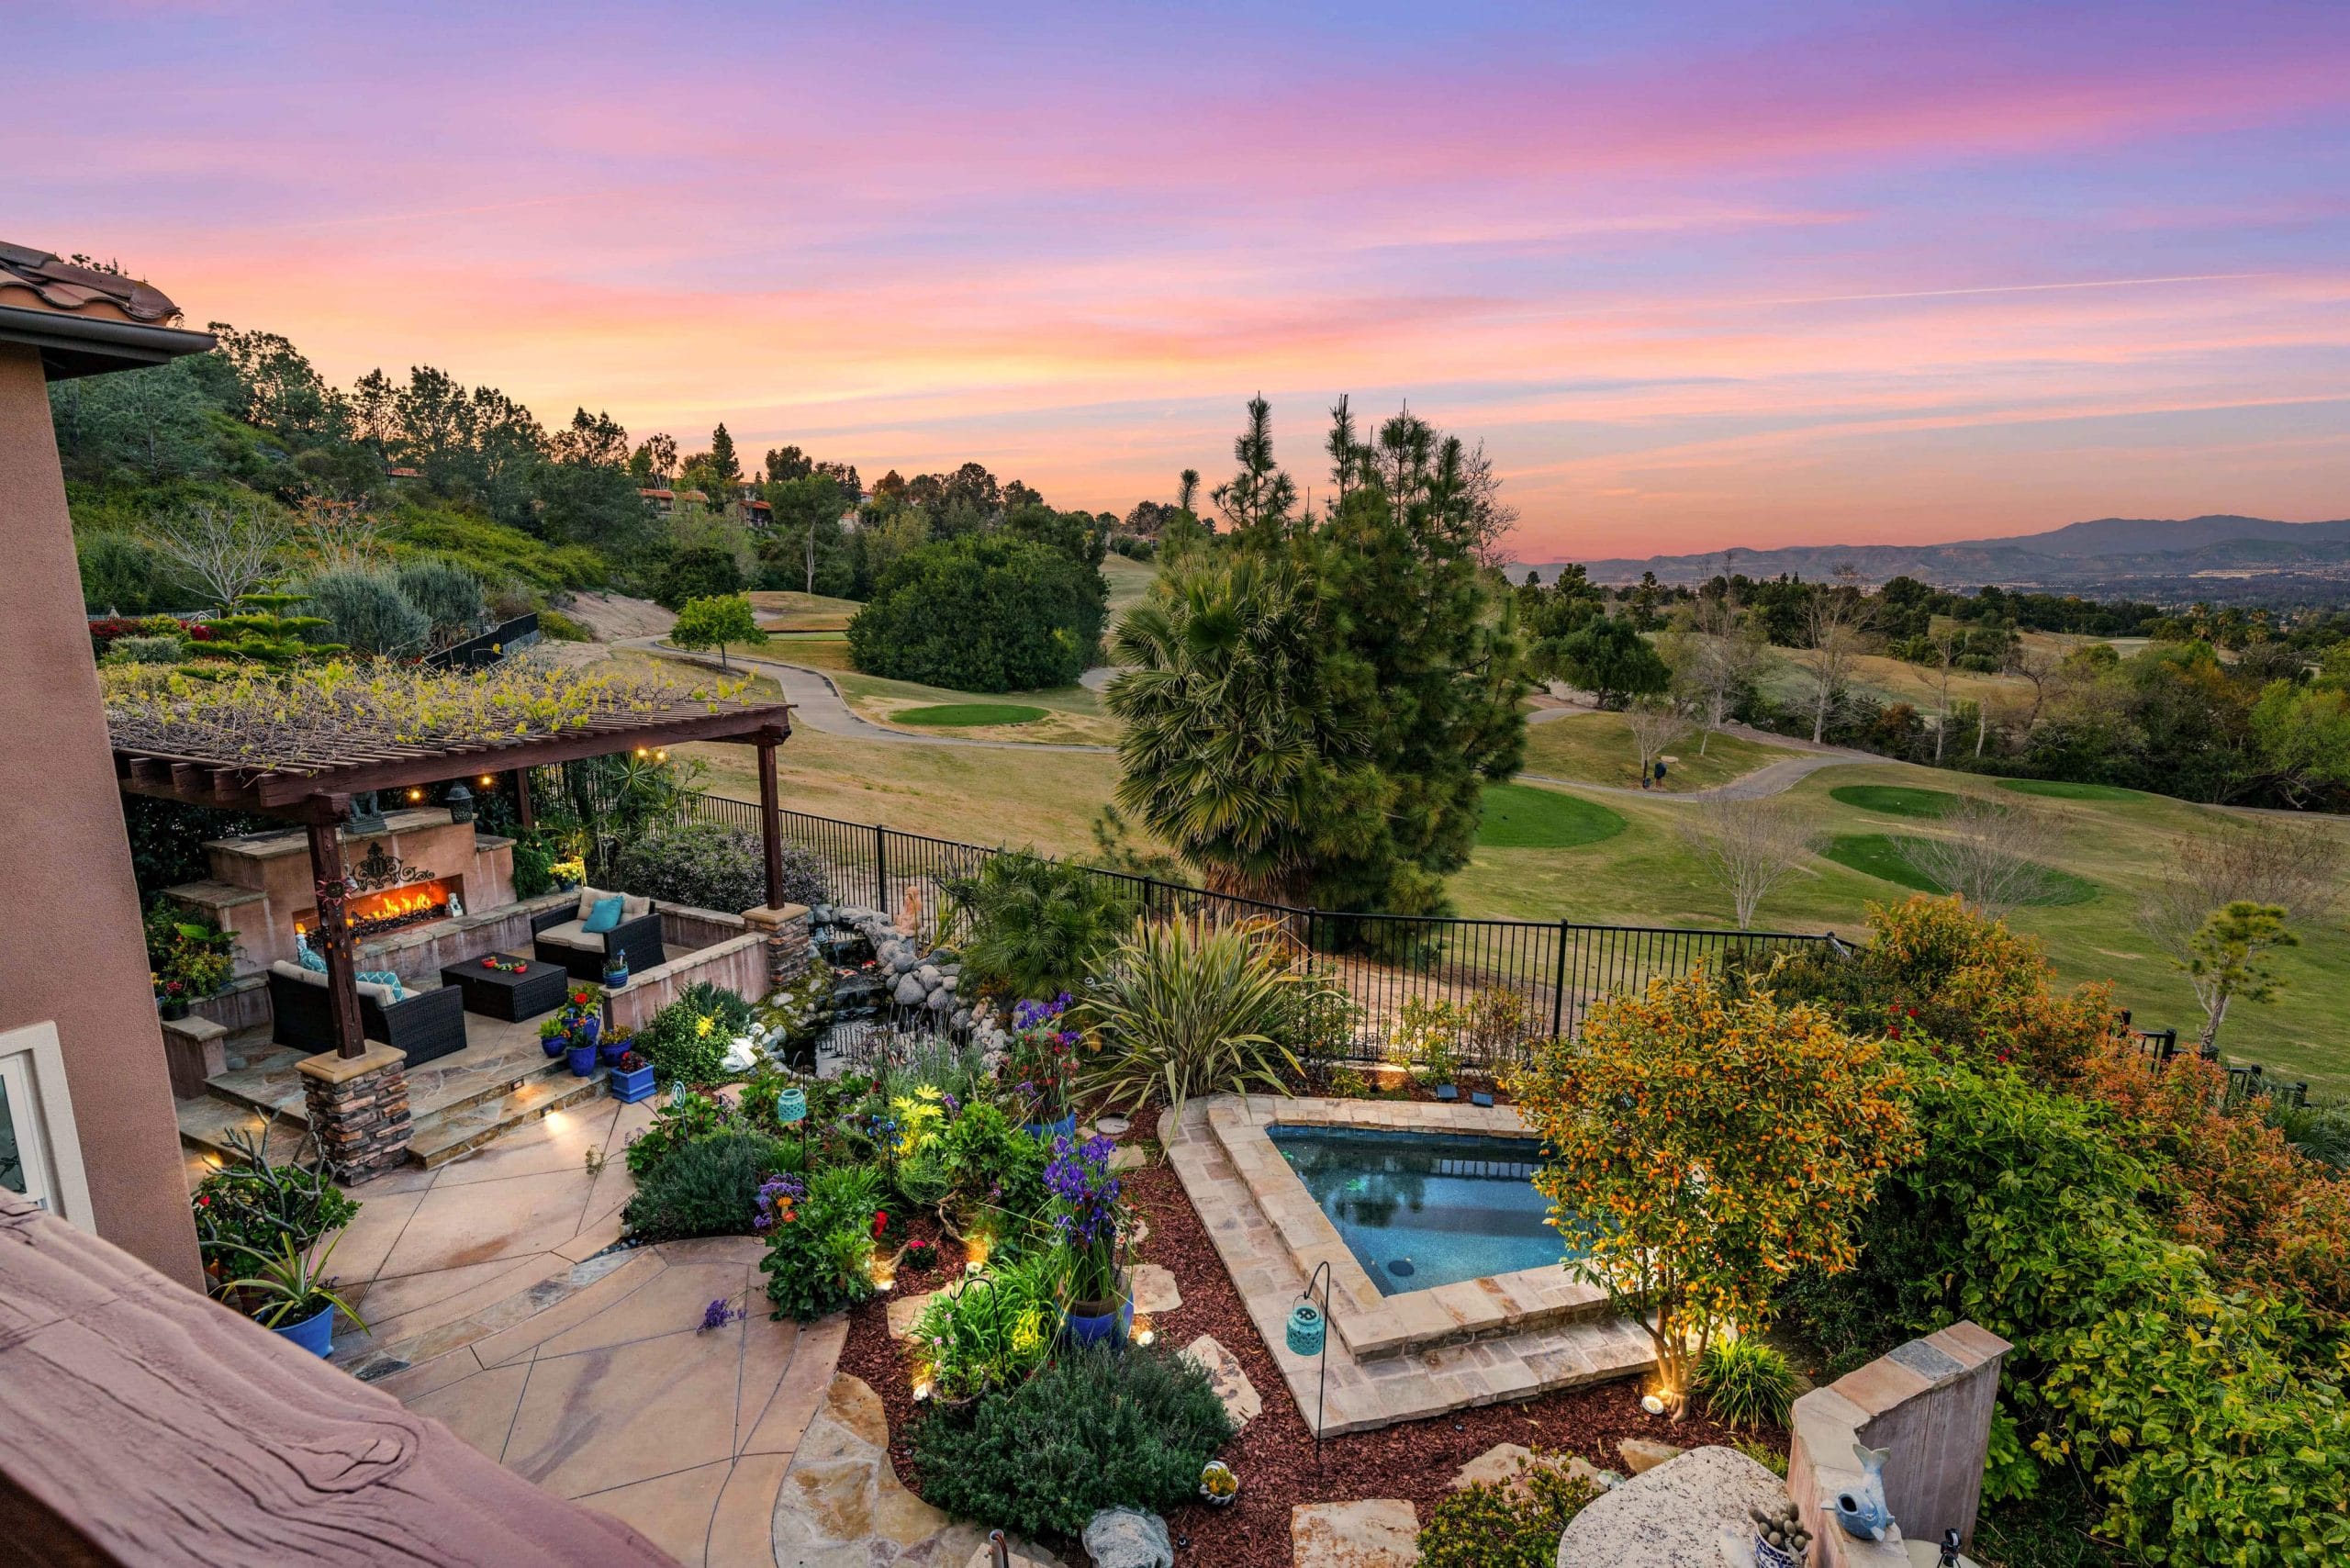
(1771, 779)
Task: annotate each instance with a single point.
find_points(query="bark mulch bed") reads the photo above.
(1274, 1457)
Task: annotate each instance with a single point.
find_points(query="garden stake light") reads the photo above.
(1308, 1333)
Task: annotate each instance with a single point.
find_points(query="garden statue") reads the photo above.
(1861, 1510)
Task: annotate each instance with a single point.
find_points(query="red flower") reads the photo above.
(881, 1223)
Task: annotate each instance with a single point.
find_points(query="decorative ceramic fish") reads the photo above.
(1861, 1510)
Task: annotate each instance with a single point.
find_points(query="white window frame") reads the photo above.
(32, 1065)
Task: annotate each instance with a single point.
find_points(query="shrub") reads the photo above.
(1700, 1145)
(687, 1040)
(1490, 1525)
(367, 613)
(1746, 1383)
(708, 1186)
(993, 1162)
(147, 650)
(992, 1331)
(448, 597)
(1038, 928)
(981, 613)
(676, 1122)
(561, 628)
(712, 866)
(819, 1256)
(1191, 1007)
(256, 1204)
(1096, 1428)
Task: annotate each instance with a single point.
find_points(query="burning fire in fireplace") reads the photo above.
(394, 908)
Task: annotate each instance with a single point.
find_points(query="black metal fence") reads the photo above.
(1483, 987)
(2245, 1080)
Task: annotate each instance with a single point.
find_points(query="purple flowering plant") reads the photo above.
(777, 1198)
(1087, 1215)
(1042, 1059)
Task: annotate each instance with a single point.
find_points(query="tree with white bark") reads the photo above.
(1836, 622)
(1749, 848)
(1655, 723)
(1716, 649)
(1994, 856)
(224, 551)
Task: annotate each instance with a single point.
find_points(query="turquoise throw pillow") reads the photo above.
(603, 917)
(309, 960)
(385, 978)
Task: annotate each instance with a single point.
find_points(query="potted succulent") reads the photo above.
(553, 1034)
(1089, 1222)
(615, 972)
(614, 1045)
(290, 1294)
(632, 1078)
(1218, 1485)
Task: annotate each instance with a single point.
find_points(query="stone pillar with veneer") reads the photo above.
(786, 930)
(358, 1109)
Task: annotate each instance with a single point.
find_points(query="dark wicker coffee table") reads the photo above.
(499, 993)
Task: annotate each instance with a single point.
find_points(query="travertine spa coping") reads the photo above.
(1374, 1325)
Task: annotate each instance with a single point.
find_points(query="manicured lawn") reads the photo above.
(2058, 789)
(1878, 855)
(1896, 800)
(958, 715)
(1597, 748)
(1524, 816)
(784, 611)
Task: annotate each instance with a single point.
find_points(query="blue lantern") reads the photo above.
(1306, 1329)
(791, 1105)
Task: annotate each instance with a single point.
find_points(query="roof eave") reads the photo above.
(74, 344)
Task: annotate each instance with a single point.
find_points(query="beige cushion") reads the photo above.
(631, 907)
(292, 970)
(568, 934)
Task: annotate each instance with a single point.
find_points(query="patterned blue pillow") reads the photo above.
(385, 978)
(309, 960)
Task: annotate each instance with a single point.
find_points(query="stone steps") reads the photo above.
(455, 1131)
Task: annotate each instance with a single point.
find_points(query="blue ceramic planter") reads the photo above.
(552, 1045)
(313, 1333)
(1091, 1329)
(1065, 1127)
(630, 1087)
(585, 1032)
(582, 1059)
(615, 979)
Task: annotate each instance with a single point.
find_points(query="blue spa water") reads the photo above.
(1420, 1210)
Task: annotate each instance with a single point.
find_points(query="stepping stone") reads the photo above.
(1112, 1127)
(1506, 1464)
(905, 1311)
(1381, 1532)
(1228, 1379)
(1155, 1289)
(1642, 1454)
(1127, 1157)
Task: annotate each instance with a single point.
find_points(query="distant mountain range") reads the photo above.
(2154, 557)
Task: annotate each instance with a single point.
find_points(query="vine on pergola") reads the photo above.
(322, 714)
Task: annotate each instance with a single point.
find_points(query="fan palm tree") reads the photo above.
(1231, 750)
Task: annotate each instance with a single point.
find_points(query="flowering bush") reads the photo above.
(1087, 1215)
(1041, 1063)
(187, 956)
(990, 1331)
(819, 1251)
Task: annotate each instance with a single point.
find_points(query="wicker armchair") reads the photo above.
(557, 939)
(427, 1026)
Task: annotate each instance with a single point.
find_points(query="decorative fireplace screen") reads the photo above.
(387, 894)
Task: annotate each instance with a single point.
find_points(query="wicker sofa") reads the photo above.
(427, 1025)
(556, 937)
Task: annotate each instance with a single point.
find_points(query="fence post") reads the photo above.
(1559, 987)
(881, 869)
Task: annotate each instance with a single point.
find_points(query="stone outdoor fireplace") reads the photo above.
(419, 869)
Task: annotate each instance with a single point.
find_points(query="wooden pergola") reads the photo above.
(313, 785)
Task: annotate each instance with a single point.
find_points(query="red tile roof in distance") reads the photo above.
(81, 291)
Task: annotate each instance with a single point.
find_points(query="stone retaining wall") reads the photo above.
(735, 960)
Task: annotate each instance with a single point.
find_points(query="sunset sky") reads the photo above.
(1802, 270)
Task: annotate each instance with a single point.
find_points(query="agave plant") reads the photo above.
(1189, 1007)
(292, 1283)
